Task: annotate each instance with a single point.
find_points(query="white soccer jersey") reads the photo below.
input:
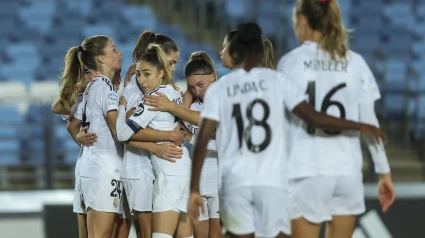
(163, 121)
(209, 174)
(106, 153)
(249, 106)
(136, 161)
(74, 108)
(336, 88)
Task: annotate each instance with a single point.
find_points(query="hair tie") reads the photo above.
(323, 1)
(80, 48)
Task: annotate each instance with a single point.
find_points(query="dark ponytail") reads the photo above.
(247, 41)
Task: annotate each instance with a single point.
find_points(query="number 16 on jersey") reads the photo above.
(327, 102)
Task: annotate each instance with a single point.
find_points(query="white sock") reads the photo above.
(161, 235)
(190, 236)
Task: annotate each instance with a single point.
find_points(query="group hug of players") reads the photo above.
(276, 149)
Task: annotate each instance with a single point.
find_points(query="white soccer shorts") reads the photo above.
(139, 193)
(318, 198)
(262, 210)
(211, 207)
(102, 193)
(171, 192)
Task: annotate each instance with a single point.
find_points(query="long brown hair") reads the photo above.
(269, 61)
(325, 16)
(72, 73)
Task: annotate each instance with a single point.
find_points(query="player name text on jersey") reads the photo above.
(325, 65)
(246, 87)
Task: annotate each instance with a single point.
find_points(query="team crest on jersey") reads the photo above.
(140, 109)
(115, 203)
(113, 96)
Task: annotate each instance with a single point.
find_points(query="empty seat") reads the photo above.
(44, 90)
(106, 30)
(17, 73)
(10, 115)
(12, 90)
(9, 150)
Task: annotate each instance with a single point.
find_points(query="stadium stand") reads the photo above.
(35, 35)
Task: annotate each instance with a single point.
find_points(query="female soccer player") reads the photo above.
(70, 88)
(249, 104)
(137, 173)
(101, 162)
(200, 74)
(269, 61)
(338, 82)
(147, 37)
(170, 194)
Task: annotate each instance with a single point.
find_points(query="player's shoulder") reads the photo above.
(167, 90)
(356, 59)
(102, 82)
(291, 58)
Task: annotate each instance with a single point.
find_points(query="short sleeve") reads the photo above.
(292, 93)
(78, 113)
(369, 91)
(111, 101)
(141, 117)
(211, 104)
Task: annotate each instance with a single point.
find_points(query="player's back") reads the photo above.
(250, 111)
(106, 153)
(335, 87)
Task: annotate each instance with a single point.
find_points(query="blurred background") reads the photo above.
(37, 155)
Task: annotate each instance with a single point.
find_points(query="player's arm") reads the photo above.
(132, 128)
(187, 99)
(80, 135)
(379, 158)
(164, 151)
(200, 151)
(162, 103)
(324, 121)
(58, 108)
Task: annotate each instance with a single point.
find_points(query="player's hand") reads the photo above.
(177, 136)
(123, 102)
(86, 139)
(131, 70)
(375, 132)
(195, 202)
(187, 134)
(159, 103)
(386, 192)
(168, 152)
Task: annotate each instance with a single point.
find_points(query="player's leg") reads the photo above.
(137, 228)
(310, 205)
(144, 224)
(184, 228)
(164, 224)
(100, 224)
(139, 195)
(215, 229)
(340, 227)
(82, 225)
(124, 226)
(102, 198)
(347, 202)
(201, 230)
